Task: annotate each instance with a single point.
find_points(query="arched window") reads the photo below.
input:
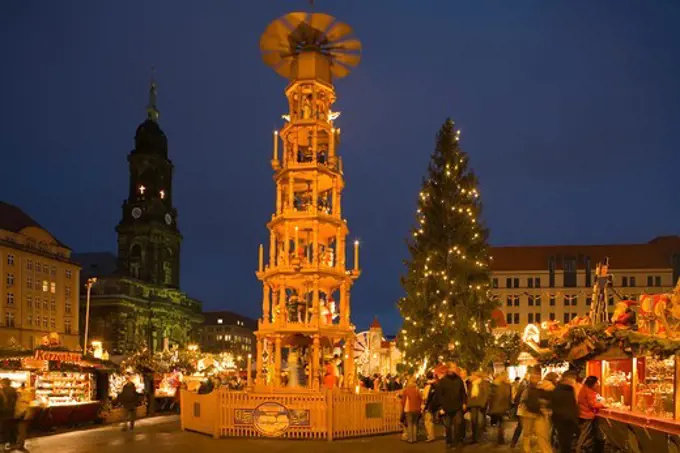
(167, 267)
(135, 260)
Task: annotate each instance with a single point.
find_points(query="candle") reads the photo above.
(331, 148)
(261, 260)
(296, 240)
(250, 357)
(356, 255)
(276, 145)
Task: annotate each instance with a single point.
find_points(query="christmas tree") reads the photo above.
(446, 312)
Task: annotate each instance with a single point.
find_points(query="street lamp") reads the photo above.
(90, 281)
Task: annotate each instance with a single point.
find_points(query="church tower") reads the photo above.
(148, 237)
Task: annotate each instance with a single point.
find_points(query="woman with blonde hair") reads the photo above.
(411, 403)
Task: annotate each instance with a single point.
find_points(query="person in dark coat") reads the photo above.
(8, 401)
(565, 411)
(500, 403)
(128, 398)
(452, 401)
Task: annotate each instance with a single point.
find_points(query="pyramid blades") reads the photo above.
(338, 31)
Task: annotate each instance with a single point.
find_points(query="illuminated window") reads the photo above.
(10, 279)
(29, 301)
(36, 321)
(67, 306)
(45, 286)
(10, 298)
(162, 194)
(53, 287)
(10, 260)
(142, 189)
(29, 320)
(219, 320)
(68, 273)
(67, 326)
(219, 337)
(29, 265)
(9, 319)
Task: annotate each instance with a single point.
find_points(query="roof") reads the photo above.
(655, 254)
(13, 219)
(229, 318)
(375, 324)
(96, 264)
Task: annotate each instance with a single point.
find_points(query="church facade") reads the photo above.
(136, 300)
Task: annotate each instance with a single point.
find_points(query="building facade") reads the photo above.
(40, 284)
(141, 303)
(375, 353)
(226, 331)
(541, 283)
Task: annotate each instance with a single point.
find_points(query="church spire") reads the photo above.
(152, 112)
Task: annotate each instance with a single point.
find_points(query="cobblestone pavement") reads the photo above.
(163, 435)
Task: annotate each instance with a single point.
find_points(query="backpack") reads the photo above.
(533, 401)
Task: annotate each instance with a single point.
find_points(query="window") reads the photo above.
(29, 265)
(530, 282)
(46, 269)
(508, 282)
(10, 260)
(53, 323)
(567, 318)
(53, 271)
(552, 316)
(10, 279)
(516, 317)
(37, 266)
(631, 280)
(569, 272)
(589, 301)
(552, 301)
(567, 301)
(220, 320)
(589, 273)
(53, 287)
(45, 322)
(537, 301)
(516, 301)
(45, 286)
(45, 305)
(67, 326)
(610, 301)
(516, 282)
(67, 291)
(573, 315)
(37, 285)
(68, 274)
(10, 298)
(538, 318)
(530, 318)
(537, 282)
(219, 337)
(624, 281)
(53, 304)
(551, 270)
(494, 283)
(531, 301)
(650, 280)
(29, 301)
(29, 320)
(657, 281)
(509, 301)
(9, 319)
(574, 301)
(67, 306)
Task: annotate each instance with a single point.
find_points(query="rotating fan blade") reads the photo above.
(285, 67)
(348, 45)
(338, 70)
(346, 59)
(338, 31)
(272, 59)
(320, 21)
(295, 19)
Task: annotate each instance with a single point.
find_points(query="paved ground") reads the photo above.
(163, 435)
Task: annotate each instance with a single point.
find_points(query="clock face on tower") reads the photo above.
(168, 219)
(136, 213)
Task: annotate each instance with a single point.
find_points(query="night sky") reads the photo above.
(569, 110)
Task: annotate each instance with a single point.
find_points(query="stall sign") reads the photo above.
(29, 363)
(58, 356)
(272, 419)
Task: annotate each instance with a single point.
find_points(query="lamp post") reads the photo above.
(90, 281)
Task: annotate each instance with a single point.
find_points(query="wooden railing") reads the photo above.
(304, 415)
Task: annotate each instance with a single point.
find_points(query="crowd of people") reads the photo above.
(553, 413)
